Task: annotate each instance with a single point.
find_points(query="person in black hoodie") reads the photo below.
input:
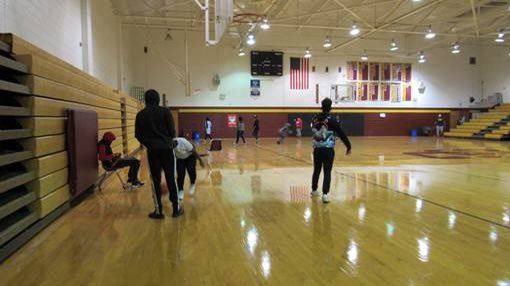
(154, 128)
(324, 127)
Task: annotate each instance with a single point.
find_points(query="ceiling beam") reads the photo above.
(316, 8)
(395, 8)
(425, 17)
(354, 14)
(475, 18)
(394, 21)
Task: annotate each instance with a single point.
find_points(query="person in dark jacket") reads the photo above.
(256, 128)
(324, 127)
(154, 128)
(111, 161)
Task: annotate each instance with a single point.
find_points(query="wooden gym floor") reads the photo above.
(403, 212)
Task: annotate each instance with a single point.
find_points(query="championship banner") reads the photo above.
(255, 87)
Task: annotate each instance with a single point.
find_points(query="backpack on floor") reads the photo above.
(215, 145)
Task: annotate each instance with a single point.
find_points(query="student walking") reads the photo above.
(154, 128)
(240, 130)
(256, 128)
(208, 128)
(299, 126)
(324, 127)
(187, 157)
(440, 125)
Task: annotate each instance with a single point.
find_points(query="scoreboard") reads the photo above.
(266, 63)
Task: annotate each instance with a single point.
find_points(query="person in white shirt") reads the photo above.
(208, 128)
(187, 157)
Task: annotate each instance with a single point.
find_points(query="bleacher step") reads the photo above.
(4, 47)
(12, 65)
(13, 87)
(15, 134)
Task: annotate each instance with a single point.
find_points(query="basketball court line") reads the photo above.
(399, 192)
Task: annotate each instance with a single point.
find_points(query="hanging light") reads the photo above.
(307, 53)
(241, 53)
(265, 24)
(250, 39)
(354, 30)
(501, 37)
(421, 58)
(327, 43)
(393, 45)
(455, 48)
(430, 34)
(364, 56)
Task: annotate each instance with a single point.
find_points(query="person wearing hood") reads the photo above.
(113, 161)
(154, 128)
(324, 127)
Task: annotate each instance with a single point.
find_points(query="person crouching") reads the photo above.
(187, 157)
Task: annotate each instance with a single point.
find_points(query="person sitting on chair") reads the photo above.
(113, 161)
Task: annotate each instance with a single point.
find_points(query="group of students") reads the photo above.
(154, 129)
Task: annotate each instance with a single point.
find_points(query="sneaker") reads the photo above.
(137, 184)
(180, 195)
(325, 198)
(192, 189)
(178, 213)
(315, 193)
(156, 215)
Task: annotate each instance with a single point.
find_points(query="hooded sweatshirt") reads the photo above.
(154, 125)
(104, 150)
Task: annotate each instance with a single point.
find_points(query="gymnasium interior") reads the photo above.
(421, 88)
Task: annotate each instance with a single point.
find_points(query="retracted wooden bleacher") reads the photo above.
(36, 89)
(493, 125)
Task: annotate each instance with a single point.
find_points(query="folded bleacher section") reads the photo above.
(493, 125)
(36, 89)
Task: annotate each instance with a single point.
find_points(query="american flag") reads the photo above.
(299, 73)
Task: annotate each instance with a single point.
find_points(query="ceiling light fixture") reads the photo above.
(307, 53)
(250, 39)
(455, 48)
(327, 43)
(354, 30)
(364, 56)
(430, 34)
(393, 45)
(241, 53)
(265, 24)
(421, 57)
(501, 37)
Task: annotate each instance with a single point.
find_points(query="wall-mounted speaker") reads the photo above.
(472, 60)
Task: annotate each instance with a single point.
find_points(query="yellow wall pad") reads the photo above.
(42, 207)
(46, 69)
(107, 124)
(309, 110)
(50, 107)
(45, 145)
(47, 184)
(43, 166)
(47, 88)
(22, 47)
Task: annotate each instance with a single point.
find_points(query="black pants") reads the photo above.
(133, 164)
(162, 159)
(189, 164)
(255, 133)
(208, 136)
(240, 134)
(322, 158)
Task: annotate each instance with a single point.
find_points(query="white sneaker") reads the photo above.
(192, 189)
(315, 193)
(180, 195)
(325, 198)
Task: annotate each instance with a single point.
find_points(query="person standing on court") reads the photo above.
(208, 128)
(256, 128)
(240, 130)
(154, 128)
(299, 126)
(439, 125)
(324, 127)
